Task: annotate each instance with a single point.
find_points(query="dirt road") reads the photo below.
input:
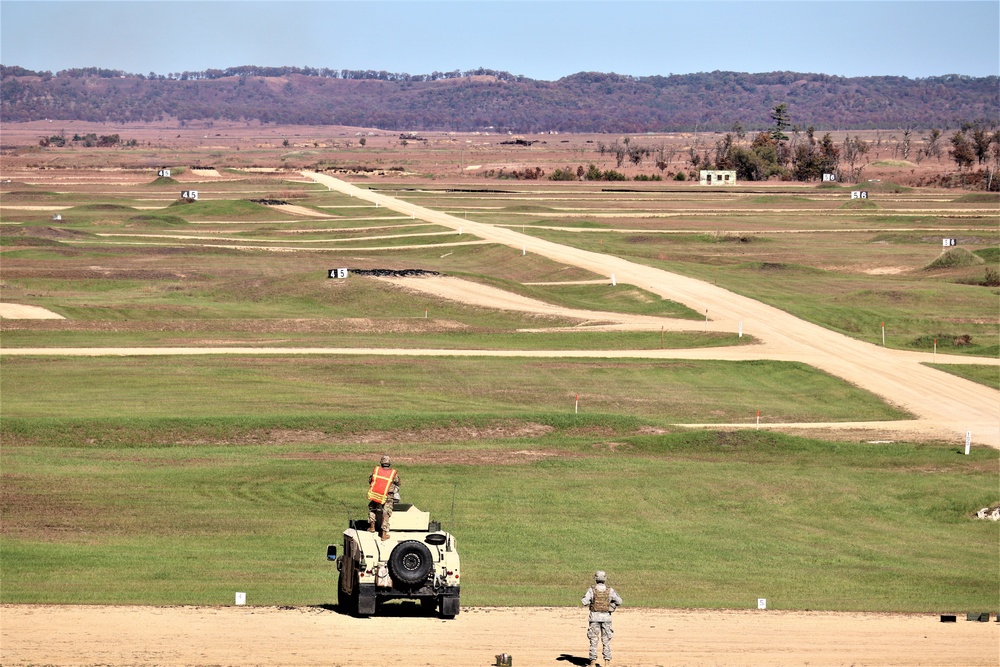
(87, 635)
(898, 377)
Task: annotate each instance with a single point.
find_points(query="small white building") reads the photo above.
(718, 177)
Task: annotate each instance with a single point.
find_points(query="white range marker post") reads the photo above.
(524, 250)
(741, 328)
(576, 409)
(761, 603)
(968, 442)
(613, 281)
(758, 420)
(241, 599)
(883, 334)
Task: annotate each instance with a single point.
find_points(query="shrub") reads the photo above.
(953, 258)
(943, 339)
(567, 174)
(593, 173)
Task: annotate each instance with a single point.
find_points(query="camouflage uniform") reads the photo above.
(602, 600)
(374, 506)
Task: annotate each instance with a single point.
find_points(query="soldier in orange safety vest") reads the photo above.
(382, 493)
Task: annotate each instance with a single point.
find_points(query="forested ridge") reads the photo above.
(485, 99)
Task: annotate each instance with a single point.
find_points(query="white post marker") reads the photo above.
(968, 442)
(758, 420)
(935, 349)
(741, 328)
(883, 334)
(761, 603)
(576, 409)
(613, 281)
(459, 231)
(524, 250)
(241, 599)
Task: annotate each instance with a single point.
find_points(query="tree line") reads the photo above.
(484, 99)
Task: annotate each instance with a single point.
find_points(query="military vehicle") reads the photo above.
(418, 561)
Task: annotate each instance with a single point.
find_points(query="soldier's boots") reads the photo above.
(371, 528)
(385, 535)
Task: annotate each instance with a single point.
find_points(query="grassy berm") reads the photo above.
(188, 511)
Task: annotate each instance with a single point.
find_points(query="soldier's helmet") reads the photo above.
(600, 576)
(385, 462)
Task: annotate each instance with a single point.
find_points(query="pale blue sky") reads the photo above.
(541, 40)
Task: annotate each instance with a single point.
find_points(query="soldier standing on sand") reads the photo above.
(383, 491)
(602, 600)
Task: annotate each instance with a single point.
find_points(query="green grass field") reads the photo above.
(664, 391)
(185, 511)
(159, 480)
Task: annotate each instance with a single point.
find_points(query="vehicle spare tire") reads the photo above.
(410, 562)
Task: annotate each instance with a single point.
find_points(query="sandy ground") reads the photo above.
(299, 210)
(17, 311)
(467, 291)
(86, 635)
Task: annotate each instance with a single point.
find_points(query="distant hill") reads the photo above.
(487, 99)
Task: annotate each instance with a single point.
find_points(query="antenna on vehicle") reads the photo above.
(350, 521)
(451, 521)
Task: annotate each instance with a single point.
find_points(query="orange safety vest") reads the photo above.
(382, 480)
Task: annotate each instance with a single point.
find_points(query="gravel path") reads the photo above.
(939, 398)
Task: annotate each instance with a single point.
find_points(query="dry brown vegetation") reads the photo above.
(465, 159)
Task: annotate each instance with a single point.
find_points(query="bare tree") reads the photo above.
(637, 153)
(906, 142)
(853, 151)
(693, 156)
(619, 151)
(664, 157)
(933, 148)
